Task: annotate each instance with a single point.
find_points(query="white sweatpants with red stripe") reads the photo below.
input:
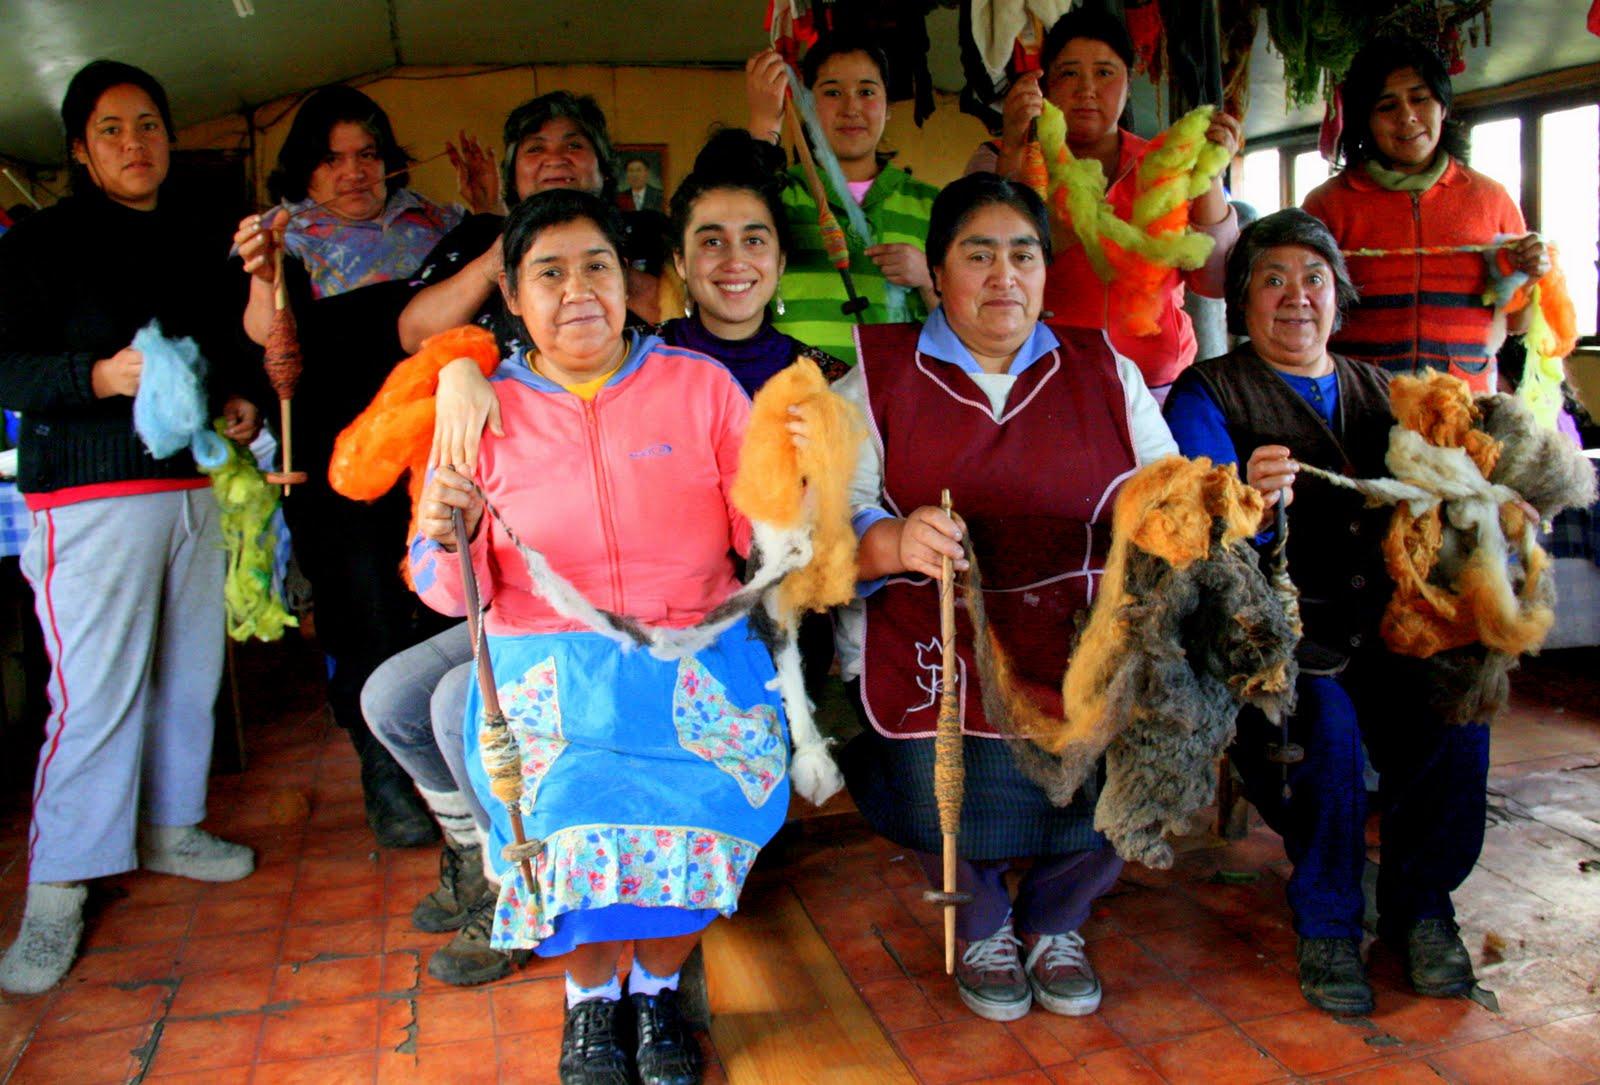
(129, 594)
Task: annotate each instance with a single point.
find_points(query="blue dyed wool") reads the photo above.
(170, 411)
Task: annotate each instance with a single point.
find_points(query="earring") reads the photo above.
(777, 303)
(688, 305)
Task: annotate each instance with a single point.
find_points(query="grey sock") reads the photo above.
(47, 944)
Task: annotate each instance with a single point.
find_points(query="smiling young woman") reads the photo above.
(1405, 184)
(848, 75)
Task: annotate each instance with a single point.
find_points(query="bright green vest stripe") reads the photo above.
(897, 209)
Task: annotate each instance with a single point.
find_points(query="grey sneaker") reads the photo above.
(1059, 972)
(188, 851)
(989, 976)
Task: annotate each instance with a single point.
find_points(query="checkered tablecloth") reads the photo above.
(1576, 533)
(15, 520)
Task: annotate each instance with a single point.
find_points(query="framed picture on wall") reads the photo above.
(641, 169)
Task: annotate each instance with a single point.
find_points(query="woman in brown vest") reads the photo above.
(1032, 429)
(1276, 401)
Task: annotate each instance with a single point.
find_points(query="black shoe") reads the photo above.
(1436, 961)
(394, 809)
(461, 884)
(1332, 977)
(591, 1053)
(469, 959)
(668, 1054)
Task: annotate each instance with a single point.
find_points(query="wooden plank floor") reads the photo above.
(782, 1010)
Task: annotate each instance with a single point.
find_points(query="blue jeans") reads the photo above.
(1432, 797)
(416, 705)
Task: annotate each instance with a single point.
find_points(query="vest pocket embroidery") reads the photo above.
(533, 713)
(747, 744)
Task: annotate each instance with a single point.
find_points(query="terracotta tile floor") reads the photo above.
(309, 971)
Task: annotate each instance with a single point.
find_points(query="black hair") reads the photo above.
(556, 207)
(647, 240)
(961, 199)
(83, 93)
(733, 159)
(1363, 84)
(532, 115)
(307, 143)
(1088, 23)
(840, 43)
(1291, 226)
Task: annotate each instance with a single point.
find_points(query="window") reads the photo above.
(1256, 182)
(1569, 200)
(1497, 151)
(1310, 170)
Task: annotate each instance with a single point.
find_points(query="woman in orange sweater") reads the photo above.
(1405, 187)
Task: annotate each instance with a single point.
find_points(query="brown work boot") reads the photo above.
(989, 976)
(461, 885)
(1059, 973)
(469, 959)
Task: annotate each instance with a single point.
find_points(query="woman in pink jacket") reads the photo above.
(651, 783)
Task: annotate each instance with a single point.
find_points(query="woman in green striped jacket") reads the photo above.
(848, 75)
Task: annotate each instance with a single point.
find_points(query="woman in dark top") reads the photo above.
(1279, 400)
(352, 242)
(557, 140)
(125, 553)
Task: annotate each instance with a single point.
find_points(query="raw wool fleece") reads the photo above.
(394, 433)
(1472, 590)
(788, 492)
(1184, 629)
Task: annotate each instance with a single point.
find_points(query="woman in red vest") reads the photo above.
(1405, 186)
(1032, 429)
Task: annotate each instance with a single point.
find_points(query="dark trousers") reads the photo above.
(351, 551)
(1432, 798)
(1054, 897)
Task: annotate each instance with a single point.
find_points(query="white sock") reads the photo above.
(641, 982)
(611, 991)
(450, 809)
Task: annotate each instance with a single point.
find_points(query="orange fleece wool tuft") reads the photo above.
(393, 435)
(790, 489)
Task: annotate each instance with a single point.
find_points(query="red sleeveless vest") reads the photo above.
(1035, 489)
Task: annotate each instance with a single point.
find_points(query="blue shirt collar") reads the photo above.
(518, 369)
(940, 341)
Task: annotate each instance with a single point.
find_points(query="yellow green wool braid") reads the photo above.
(1181, 168)
(247, 502)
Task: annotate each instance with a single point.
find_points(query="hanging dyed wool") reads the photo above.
(1551, 334)
(249, 531)
(1136, 255)
(799, 499)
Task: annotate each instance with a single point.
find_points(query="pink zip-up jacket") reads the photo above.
(626, 495)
